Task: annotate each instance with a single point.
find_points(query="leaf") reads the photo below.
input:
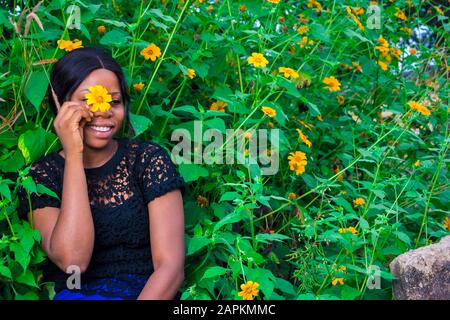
(27, 296)
(285, 286)
(192, 172)
(403, 237)
(115, 37)
(197, 243)
(36, 88)
(21, 256)
(267, 237)
(27, 278)
(213, 272)
(5, 272)
(32, 144)
(231, 218)
(349, 293)
(139, 123)
(229, 196)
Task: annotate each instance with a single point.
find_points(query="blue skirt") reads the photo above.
(70, 295)
(124, 287)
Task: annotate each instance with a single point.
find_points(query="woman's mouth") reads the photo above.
(100, 131)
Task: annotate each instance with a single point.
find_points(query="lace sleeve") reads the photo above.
(42, 188)
(157, 173)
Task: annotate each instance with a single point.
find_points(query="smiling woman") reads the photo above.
(117, 231)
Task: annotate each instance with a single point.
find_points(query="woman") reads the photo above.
(120, 218)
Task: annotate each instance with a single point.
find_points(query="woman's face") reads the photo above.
(112, 118)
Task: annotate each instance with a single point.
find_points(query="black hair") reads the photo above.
(70, 71)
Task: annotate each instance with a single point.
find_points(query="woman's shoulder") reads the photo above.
(45, 165)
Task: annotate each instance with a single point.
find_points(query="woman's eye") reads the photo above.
(116, 101)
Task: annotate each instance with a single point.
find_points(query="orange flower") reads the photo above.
(257, 60)
(332, 83)
(151, 52)
(269, 111)
(297, 162)
(138, 86)
(249, 290)
(218, 106)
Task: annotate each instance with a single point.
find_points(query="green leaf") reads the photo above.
(192, 172)
(33, 144)
(213, 272)
(231, 218)
(27, 278)
(197, 243)
(349, 293)
(5, 272)
(229, 196)
(36, 88)
(115, 37)
(285, 286)
(267, 237)
(139, 123)
(27, 296)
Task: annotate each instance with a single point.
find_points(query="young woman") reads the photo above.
(120, 218)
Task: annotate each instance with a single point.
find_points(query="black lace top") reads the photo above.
(119, 192)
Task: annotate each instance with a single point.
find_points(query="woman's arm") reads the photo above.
(166, 216)
(68, 233)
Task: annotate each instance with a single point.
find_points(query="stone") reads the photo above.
(423, 273)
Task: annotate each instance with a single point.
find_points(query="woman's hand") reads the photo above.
(69, 125)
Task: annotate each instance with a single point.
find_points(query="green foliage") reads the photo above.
(365, 138)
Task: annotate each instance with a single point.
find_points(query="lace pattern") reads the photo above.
(119, 192)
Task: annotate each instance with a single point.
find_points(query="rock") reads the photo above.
(424, 273)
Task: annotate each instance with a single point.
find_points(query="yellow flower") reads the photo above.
(297, 162)
(332, 83)
(242, 8)
(359, 202)
(304, 138)
(383, 42)
(269, 111)
(292, 196)
(352, 230)
(358, 11)
(257, 59)
(69, 45)
(316, 4)
(335, 281)
(101, 29)
(413, 51)
(98, 98)
(357, 66)
(400, 14)
(396, 53)
(138, 86)
(406, 30)
(249, 290)
(340, 100)
(202, 201)
(447, 223)
(417, 163)
(218, 106)
(439, 11)
(305, 43)
(419, 108)
(191, 73)
(274, 1)
(349, 229)
(152, 52)
(303, 30)
(288, 72)
(382, 65)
